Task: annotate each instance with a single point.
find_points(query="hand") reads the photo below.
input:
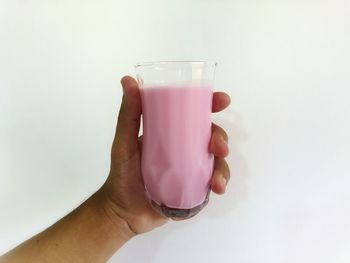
(124, 189)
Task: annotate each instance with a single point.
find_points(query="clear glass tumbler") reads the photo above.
(176, 116)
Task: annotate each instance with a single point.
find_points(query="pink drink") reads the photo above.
(176, 163)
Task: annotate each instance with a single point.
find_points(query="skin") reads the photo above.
(119, 210)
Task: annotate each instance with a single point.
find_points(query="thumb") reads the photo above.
(125, 143)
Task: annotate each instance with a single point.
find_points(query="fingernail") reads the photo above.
(223, 139)
(223, 181)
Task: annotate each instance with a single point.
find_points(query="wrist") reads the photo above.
(112, 219)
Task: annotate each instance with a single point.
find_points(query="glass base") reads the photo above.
(179, 214)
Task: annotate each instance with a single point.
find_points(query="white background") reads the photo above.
(285, 65)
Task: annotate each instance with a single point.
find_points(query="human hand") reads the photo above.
(124, 190)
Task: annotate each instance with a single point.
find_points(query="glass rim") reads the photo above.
(174, 62)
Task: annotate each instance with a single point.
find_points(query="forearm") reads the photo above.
(90, 233)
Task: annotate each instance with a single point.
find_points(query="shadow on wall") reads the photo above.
(236, 191)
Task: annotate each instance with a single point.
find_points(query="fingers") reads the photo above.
(219, 147)
(221, 176)
(221, 100)
(218, 143)
(125, 141)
